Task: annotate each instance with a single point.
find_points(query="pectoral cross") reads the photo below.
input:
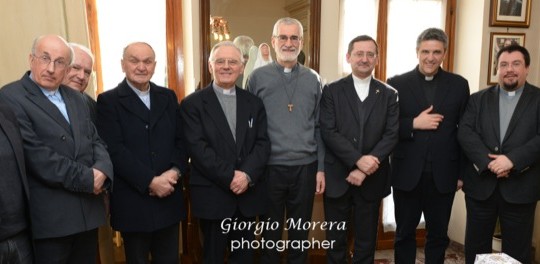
(290, 106)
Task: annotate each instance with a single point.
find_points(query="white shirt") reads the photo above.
(362, 87)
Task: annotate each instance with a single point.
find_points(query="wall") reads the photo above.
(23, 20)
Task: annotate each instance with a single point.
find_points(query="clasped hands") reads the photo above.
(500, 165)
(366, 165)
(163, 185)
(239, 183)
(99, 180)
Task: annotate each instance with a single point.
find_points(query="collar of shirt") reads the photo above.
(511, 93)
(361, 86)
(231, 91)
(144, 96)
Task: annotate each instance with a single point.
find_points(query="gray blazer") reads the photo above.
(59, 160)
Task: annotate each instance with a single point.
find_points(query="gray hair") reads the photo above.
(433, 34)
(85, 49)
(224, 44)
(288, 21)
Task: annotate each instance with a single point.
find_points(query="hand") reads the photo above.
(356, 177)
(171, 175)
(368, 164)
(427, 121)
(163, 185)
(459, 185)
(321, 183)
(99, 180)
(239, 183)
(500, 165)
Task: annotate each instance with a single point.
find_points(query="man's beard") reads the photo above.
(288, 56)
(510, 86)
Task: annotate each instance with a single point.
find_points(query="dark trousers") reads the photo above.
(409, 206)
(216, 242)
(516, 220)
(17, 249)
(291, 190)
(161, 245)
(77, 248)
(365, 219)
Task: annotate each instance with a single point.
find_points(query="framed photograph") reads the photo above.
(510, 13)
(499, 40)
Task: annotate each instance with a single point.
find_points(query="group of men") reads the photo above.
(263, 154)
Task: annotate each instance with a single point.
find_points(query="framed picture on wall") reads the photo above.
(510, 13)
(499, 40)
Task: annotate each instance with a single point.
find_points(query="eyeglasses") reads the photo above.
(231, 62)
(361, 54)
(284, 38)
(46, 60)
(514, 64)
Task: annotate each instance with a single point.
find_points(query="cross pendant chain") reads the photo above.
(290, 106)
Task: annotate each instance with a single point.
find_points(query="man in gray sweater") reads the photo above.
(291, 95)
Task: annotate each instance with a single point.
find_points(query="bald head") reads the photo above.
(139, 63)
(49, 61)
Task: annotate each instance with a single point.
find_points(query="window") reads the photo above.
(405, 19)
(119, 26)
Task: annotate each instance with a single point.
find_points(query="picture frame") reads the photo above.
(497, 41)
(510, 13)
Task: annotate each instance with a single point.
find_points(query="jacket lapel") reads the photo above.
(74, 118)
(442, 90)
(131, 102)
(373, 97)
(35, 95)
(213, 107)
(158, 104)
(493, 110)
(352, 97)
(417, 91)
(244, 119)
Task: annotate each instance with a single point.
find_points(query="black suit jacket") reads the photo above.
(59, 160)
(9, 124)
(479, 134)
(143, 144)
(348, 135)
(410, 153)
(10, 127)
(215, 154)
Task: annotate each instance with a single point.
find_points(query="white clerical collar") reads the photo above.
(511, 93)
(230, 91)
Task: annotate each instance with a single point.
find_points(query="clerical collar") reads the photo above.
(285, 70)
(230, 91)
(427, 78)
(511, 93)
(137, 91)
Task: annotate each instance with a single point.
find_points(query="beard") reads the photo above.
(509, 87)
(288, 56)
